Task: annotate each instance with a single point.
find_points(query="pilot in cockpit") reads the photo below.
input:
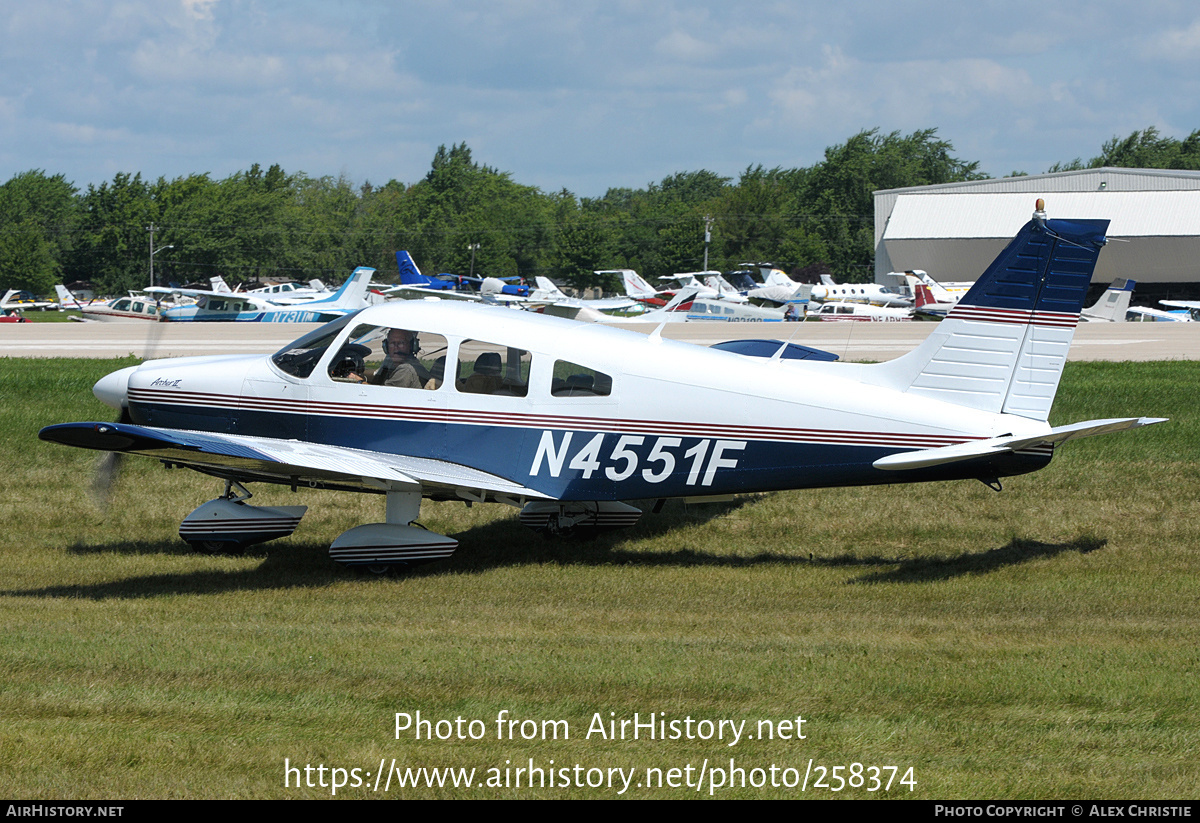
(400, 366)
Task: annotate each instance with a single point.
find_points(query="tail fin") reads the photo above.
(923, 296)
(1003, 347)
(410, 275)
(939, 292)
(66, 300)
(219, 285)
(545, 284)
(1113, 304)
(352, 294)
(635, 286)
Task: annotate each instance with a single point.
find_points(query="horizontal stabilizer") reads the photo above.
(999, 445)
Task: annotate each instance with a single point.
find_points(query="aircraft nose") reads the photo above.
(113, 389)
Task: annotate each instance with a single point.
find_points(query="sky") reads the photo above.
(578, 95)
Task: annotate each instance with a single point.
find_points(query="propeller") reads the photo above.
(107, 470)
(112, 390)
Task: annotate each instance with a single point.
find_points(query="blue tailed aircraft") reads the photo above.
(568, 421)
(211, 306)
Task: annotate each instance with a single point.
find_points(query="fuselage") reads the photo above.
(579, 411)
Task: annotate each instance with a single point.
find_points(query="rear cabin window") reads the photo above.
(573, 380)
(399, 358)
(492, 368)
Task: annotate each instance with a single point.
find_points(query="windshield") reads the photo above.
(740, 280)
(299, 358)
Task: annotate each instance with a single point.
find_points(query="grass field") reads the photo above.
(1043, 642)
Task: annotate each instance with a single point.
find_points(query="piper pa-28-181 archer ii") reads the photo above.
(566, 420)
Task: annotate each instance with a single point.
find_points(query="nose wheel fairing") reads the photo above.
(229, 525)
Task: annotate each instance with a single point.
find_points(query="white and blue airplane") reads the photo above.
(567, 421)
(214, 306)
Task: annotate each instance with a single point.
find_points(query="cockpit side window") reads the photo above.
(492, 368)
(394, 357)
(574, 380)
(300, 357)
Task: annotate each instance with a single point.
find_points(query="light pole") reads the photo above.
(473, 247)
(154, 251)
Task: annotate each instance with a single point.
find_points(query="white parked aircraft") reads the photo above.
(873, 293)
(1191, 306)
(1112, 305)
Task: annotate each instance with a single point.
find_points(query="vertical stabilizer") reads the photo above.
(635, 285)
(1003, 347)
(1113, 304)
(353, 293)
(410, 275)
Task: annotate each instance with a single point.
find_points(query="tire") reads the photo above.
(216, 547)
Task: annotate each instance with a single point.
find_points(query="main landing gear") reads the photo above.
(380, 547)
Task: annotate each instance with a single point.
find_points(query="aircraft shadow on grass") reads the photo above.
(930, 569)
(505, 543)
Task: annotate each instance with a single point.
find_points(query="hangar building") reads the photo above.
(954, 231)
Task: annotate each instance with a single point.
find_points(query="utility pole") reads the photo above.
(707, 238)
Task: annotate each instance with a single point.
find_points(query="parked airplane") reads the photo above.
(1192, 307)
(67, 300)
(23, 301)
(281, 293)
(413, 284)
(1144, 314)
(565, 420)
(1112, 305)
(716, 300)
(943, 292)
(213, 306)
(841, 310)
(873, 293)
(547, 289)
(926, 302)
(131, 307)
(635, 285)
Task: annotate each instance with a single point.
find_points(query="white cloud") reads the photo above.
(1177, 44)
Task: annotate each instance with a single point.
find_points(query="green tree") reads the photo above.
(37, 222)
(838, 202)
(113, 246)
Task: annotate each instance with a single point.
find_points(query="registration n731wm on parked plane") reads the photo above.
(566, 420)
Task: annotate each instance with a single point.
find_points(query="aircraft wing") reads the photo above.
(291, 462)
(999, 445)
(1181, 304)
(169, 290)
(421, 292)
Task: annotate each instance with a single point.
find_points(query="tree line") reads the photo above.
(257, 224)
